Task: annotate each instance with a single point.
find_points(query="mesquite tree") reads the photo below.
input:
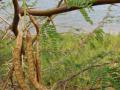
(27, 47)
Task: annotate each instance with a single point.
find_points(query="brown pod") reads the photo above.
(31, 64)
(37, 62)
(17, 63)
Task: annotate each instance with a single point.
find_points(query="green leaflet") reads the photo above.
(25, 10)
(86, 16)
(82, 4)
(96, 39)
(49, 35)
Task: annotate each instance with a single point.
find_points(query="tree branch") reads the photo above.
(16, 17)
(48, 12)
(62, 9)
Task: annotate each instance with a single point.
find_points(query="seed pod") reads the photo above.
(31, 64)
(37, 62)
(17, 63)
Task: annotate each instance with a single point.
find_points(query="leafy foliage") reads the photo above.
(63, 55)
(82, 4)
(86, 16)
(49, 35)
(5, 57)
(5, 50)
(73, 54)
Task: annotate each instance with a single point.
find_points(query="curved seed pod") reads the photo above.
(37, 61)
(17, 63)
(30, 60)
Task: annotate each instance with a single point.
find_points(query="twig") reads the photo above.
(59, 3)
(36, 25)
(5, 21)
(76, 74)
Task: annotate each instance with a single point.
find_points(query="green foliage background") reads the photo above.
(63, 55)
(70, 53)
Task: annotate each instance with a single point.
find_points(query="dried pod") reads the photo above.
(31, 64)
(37, 62)
(17, 63)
